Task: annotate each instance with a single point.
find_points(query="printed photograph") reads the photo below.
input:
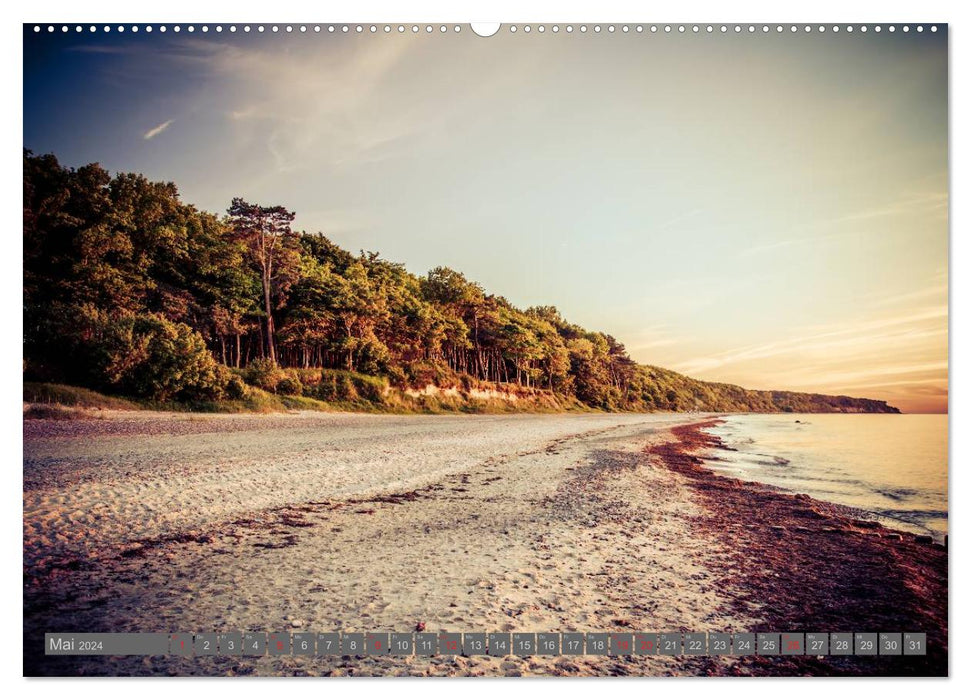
(442, 350)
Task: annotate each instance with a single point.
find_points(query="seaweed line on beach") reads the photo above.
(810, 566)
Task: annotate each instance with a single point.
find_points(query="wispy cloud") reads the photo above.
(926, 204)
(835, 341)
(938, 290)
(314, 108)
(156, 130)
(807, 240)
(901, 358)
(651, 338)
(678, 219)
(915, 203)
(102, 49)
(323, 108)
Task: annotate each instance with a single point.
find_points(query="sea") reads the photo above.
(892, 467)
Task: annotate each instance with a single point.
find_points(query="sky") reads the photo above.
(764, 209)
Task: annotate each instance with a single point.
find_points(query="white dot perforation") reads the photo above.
(378, 29)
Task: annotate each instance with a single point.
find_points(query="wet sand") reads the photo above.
(443, 523)
(807, 565)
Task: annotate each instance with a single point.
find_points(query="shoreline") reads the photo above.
(593, 523)
(732, 460)
(815, 567)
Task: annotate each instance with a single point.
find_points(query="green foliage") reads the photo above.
(236, 388)
(290, 385)
(129, 290)
(264, 373)
(342, 386)
(147, 356)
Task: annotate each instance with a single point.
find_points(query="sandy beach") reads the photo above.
(323, 522)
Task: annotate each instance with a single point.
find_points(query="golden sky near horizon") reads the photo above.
(766, 210)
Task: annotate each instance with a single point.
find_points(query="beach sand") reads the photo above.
(524, 523)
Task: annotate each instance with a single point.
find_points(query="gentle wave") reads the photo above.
(892, 466)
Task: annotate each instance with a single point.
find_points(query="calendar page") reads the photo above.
(517, 349)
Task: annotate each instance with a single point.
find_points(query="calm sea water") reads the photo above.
(892, 466)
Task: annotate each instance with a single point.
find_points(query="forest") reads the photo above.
(132, 292)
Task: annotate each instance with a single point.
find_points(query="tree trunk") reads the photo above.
(268, 307)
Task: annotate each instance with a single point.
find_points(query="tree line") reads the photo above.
(129, 290)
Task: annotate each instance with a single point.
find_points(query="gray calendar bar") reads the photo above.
(487, 644)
